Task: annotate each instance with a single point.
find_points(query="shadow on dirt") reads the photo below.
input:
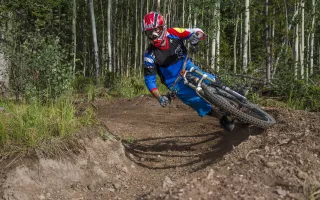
(193, 151)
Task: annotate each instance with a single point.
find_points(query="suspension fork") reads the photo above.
(199, 81)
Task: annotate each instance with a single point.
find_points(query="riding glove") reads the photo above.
(164, 101)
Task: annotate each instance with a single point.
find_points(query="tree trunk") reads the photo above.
(214, 39)
(302, 72)
(95, 42)
(141, 41)
(246, 37)
(74, 34)
(158, 6)
(115, 60)
(296, 51)
(109, 36)
(218, 36)
(136, 56)
(183, 11)
(267, 41)
(4, 78)
(319, 57)
(284, 42)
(235, 45)
(312, 38)
(287, 34)
(103, 48)
(241, 39)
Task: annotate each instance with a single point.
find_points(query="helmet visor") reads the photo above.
(153, 34)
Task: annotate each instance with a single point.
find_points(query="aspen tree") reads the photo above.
(95, 42)
(246, 37)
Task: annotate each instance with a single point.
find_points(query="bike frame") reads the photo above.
(201, 80)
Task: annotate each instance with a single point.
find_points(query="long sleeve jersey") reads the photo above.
(166, 63)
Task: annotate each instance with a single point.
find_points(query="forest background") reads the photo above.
(54, 52)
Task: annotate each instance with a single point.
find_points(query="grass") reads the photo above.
(24, 126)
(314, 193)
(35, 125)
(131, 87)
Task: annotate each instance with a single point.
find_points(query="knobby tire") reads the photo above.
(253, 114)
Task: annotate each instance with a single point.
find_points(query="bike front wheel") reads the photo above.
(244, 111)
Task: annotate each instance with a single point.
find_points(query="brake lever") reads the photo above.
(171, 95)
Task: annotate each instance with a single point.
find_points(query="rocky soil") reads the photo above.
(143, 151)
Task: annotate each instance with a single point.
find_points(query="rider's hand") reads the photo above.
(164, 101)
(193, 48)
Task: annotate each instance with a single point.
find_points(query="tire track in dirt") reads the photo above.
(171, 153)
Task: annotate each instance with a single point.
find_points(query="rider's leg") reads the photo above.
(225, 122)
(191, 98)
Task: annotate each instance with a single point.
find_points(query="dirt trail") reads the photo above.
(171, 153)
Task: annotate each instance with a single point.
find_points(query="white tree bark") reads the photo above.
(158, 5)
(214, 39)
(95, 41)
(183, 11)
(136, 40)
(74, 34)
(246, 37)
(141, 40)
(4, 76)
(218, 36)
(109, 36)
(319, 56)
(312, 37)
(296, 50)
(267, 41)
(104, 44)
(235, 45)
(284, 42)
(189, 17)
(241, 37)
(302, 71)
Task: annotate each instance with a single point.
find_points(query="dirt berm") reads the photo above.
(146, 152)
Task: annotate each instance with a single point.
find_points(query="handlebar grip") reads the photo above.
(171, 95)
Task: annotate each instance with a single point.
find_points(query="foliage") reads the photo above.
(51, 70)
(80, 84)
(39, 69)
(297, 93)
(39, 42)
(131, 87)
(26, 126)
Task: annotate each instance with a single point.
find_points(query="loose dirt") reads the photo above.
(143, 151)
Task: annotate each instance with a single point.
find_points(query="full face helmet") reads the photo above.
(153, 26)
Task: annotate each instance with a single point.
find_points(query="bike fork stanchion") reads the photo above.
(223, 87)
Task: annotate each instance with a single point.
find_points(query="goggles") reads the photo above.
(155, 33)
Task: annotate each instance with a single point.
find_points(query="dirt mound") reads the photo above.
(150, 152)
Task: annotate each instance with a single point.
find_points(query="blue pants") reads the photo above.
(190, 97)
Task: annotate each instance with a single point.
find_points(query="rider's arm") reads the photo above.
(150, 81)
(150, 74)
(186, 33)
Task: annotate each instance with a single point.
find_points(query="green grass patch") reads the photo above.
(130, 87)
(25, 126)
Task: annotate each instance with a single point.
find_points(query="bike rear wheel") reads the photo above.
(244, 111)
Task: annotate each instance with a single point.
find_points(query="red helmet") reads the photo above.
(153, 25)
(152, 20)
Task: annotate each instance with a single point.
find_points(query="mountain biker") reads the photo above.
(165, 57)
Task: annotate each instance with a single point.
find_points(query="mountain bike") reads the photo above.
(228, 101)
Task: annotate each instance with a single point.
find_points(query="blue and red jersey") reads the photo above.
(167, 63)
